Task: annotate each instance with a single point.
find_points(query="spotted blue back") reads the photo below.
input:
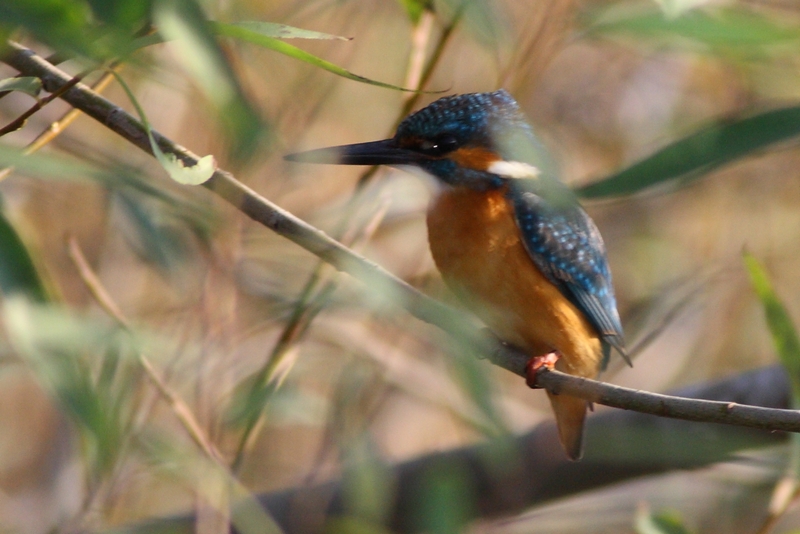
(566, 246)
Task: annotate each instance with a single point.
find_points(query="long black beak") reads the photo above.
(384, 152)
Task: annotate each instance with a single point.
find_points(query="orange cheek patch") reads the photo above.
(473, 158)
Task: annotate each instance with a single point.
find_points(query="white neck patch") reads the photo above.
(513, 169)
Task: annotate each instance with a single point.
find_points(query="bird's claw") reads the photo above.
(536, 364)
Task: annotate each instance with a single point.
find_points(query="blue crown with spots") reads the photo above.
(473, 119)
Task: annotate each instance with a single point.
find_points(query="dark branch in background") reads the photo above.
(424, 308)
(620, 446)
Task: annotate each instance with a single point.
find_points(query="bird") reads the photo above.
(508, 237)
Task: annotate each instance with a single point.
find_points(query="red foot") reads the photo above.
(536, 364)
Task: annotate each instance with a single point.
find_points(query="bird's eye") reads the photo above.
(438, 146)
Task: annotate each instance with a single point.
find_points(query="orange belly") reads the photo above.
(477, 247)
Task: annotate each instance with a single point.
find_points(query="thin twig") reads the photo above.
(19, 122)
(58, 126)
(424, 308)
(103, 298)
(310, 301)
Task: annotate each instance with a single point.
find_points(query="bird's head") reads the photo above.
(478, 140)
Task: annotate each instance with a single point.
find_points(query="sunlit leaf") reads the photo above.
(278, 31)
(25, 84)
(781, 327)
(269, 29)
(248, 35)
(659, 523)
(17, 272)
(700, 153)
(674, 8)
(183, 23)
(177, 170)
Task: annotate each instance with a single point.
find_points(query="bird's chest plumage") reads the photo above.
(477, 247)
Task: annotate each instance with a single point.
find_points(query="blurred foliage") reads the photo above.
(292, 374)
(659, 523)
(728, 29)
(781, 326)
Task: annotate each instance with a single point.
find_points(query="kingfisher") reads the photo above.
(508, 237)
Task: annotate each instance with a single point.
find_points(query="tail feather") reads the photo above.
(570, 415)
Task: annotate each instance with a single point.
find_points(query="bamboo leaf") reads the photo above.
(700, 153)
(247, 34)
(278, 31)
(784, 333)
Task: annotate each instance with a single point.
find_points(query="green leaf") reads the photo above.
(249, 35)
(26, 84)
(177, 170)
(126, 14)
(269, 29)
(784, 333)
(415, 8)
(73, 27)
(183, 23)
(53, 341)
(45, 164)
(659, 523)
(720, 28)
(446, 499)
(700, 153)
(62, 24)
(278, 31)
(18, 274)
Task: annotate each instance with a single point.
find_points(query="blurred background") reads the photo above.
(292, 374)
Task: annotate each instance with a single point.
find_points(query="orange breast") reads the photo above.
(477, 247)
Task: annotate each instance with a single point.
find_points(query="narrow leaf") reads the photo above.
(700, 153)
(784, 333)
(278, 31)
(18, 274)
(177, 169)
(26, 84)
(248, 35)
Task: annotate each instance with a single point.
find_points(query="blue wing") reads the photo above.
(566, 246)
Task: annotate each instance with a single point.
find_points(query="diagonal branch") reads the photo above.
(456, 324)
